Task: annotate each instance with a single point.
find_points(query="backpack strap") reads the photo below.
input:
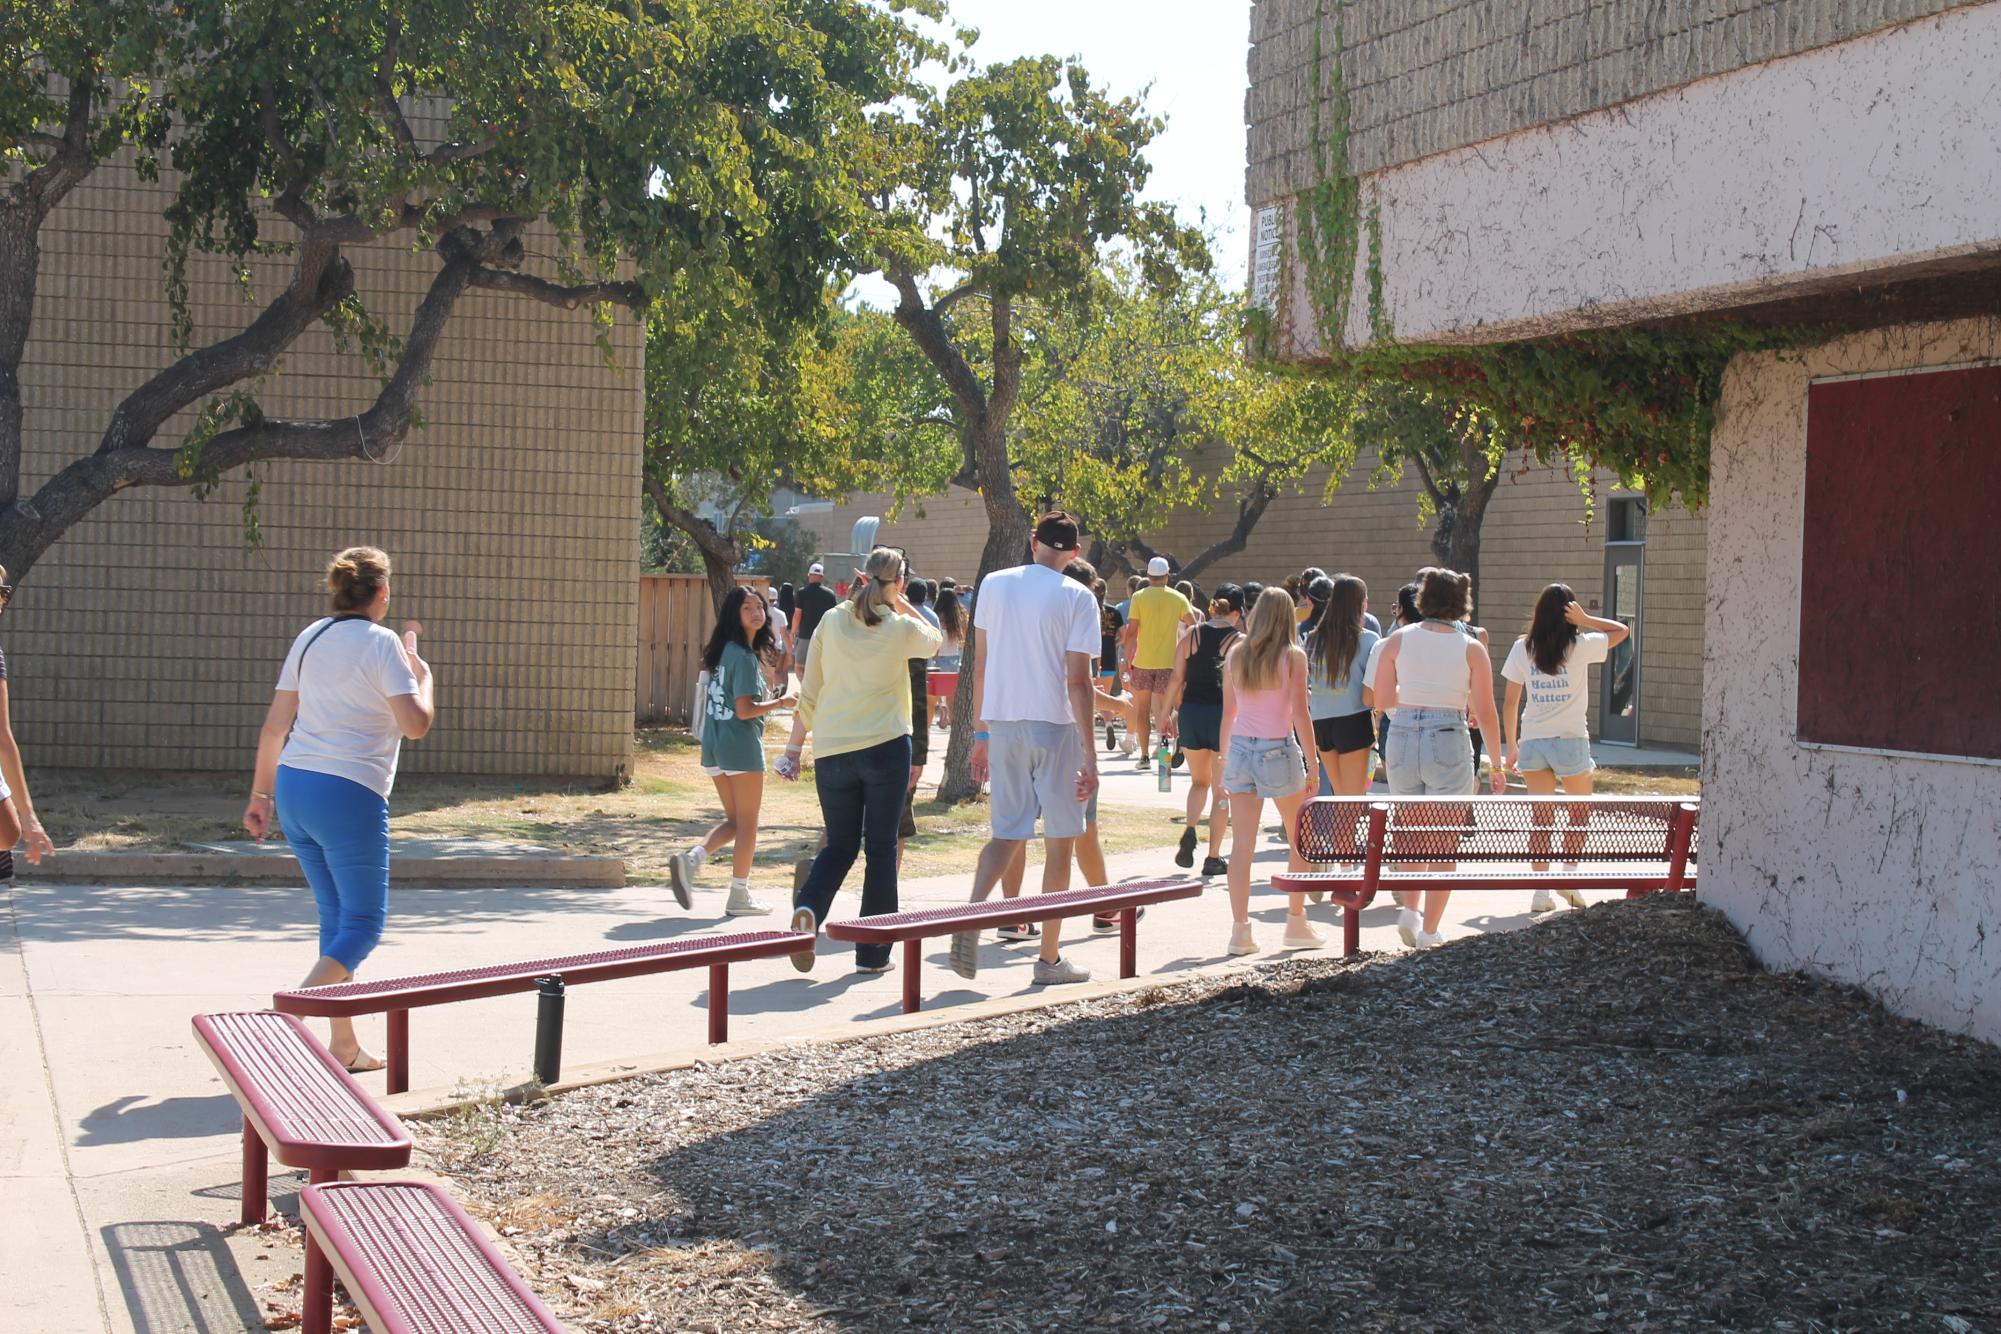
(332, 621)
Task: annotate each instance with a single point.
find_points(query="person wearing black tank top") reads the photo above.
(1195, 718)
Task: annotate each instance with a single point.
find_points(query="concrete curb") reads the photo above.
(162, 869)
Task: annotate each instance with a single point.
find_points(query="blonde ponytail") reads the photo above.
(874, 595)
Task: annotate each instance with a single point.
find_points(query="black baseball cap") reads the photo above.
(1057, 531)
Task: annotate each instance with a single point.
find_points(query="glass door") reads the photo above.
(1619, 712)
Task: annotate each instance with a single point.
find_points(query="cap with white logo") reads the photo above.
(816, 568)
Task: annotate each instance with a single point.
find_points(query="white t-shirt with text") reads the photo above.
(1029, 617)
(346, 726)
(1558, 704)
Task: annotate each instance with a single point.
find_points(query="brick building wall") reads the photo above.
(1534, 535)
(148, 637)
(1424, 76)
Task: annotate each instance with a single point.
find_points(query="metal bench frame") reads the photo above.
(914, 928)
(1649, 853)
(267, 1129)
(333, 1248)
(397, 996)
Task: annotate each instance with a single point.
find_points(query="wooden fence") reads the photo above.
(675, 618)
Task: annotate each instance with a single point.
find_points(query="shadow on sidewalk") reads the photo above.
(179, 1276)
(132, 1118)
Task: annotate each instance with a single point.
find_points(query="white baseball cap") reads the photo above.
(1157, 568)
(816, 568)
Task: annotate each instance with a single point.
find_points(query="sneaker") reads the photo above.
(1128, 743)
(804, 922)
(1185, 855)
(1179, 758)
(1573, 897)
(1430, 940)
(1300, 936)
(1107, 923)
(681, 878)
(872, 968)
(1316, 896)
(1145, 763)
(1019, 931)
(1542, 902)
(746, 907)
(1056, 974)
(1407, 926)
(966, 954)
(1111, 736)
(1242, 941)
(1214, 866)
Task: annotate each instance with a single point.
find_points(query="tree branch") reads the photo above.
(954, 297)
(628, 294)
(44, 187)
(385, 89)
(1250, 509)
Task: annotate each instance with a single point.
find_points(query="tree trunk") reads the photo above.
(1008, 532)
(20, 264)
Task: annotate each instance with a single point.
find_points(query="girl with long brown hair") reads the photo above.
(1264, 705)
(1338, 654)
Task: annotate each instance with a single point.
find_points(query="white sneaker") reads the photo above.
(746, 906)
(1430, 940)
(1128, 743)
(1055, 974)
(681, 878)
(966, 954)
(805, 923)
(1573, 897)
(1407, 924)
(1542, 902)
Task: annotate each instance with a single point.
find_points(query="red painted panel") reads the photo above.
(1900, 617)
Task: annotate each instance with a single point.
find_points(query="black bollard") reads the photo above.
(548, 1029)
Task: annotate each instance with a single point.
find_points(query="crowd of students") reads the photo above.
(1242, 681)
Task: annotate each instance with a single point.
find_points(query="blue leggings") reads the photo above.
(339, 831)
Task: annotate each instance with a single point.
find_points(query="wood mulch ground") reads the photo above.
(1613, 1120)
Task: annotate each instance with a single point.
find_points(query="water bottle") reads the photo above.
(1163, 764)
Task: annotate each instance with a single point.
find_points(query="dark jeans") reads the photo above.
(861, 801)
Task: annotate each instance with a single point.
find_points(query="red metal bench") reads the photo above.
(397, 996)
(298, 1101)
(413, 1261)
(1638, 844)
(913, 928)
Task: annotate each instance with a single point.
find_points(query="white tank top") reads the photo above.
(1431, 668)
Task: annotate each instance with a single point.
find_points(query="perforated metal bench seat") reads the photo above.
(914, 928)
(298, 1104)
(397, 996)
(413, 1262)
(1638, 844)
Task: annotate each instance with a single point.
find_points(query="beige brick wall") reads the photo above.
(149, 637)
(1534, 535)
(1424, 76)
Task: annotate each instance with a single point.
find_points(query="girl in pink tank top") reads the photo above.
(1264, 706)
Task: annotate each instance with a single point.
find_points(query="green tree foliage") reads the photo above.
(663, 150)
(1457, 449)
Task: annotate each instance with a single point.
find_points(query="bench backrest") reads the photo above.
(1495, 829)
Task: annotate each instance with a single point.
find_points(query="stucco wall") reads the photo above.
(1872, 157)
(149, 637)
(1534, 534)
(1877, 870)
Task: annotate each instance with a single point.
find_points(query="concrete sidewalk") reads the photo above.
(120, 1147)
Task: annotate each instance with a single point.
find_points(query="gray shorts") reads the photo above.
(1033, 768)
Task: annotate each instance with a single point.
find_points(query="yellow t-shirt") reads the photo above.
(1159, 610)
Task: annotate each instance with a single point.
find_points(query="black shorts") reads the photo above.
(1345, 735)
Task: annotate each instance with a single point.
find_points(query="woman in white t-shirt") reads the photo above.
(349, 693)
(1549, 742)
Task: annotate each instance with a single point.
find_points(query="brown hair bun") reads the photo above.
(356, 576)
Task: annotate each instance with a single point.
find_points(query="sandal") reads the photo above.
(363, 1063)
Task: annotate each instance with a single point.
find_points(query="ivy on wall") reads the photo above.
(1639, 403)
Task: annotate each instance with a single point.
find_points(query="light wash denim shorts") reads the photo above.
(1564, 756)
(1429, 754)
(1266, 767)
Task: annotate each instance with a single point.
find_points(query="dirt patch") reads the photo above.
(1614, 1120)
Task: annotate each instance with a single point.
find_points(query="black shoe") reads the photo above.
(1179, 757)
(1185, 856)
(1111, 736)
(1214, 866)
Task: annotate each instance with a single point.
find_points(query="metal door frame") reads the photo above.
(1616, 555)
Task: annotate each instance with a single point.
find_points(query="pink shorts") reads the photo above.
(1152, 680)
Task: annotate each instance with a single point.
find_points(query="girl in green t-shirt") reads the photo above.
(733, 711)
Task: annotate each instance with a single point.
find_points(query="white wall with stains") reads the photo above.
(1862, 158)
(1877, 870)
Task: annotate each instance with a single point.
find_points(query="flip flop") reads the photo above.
(363, 1063)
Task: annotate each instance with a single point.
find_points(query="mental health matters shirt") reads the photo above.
(1557, 702)
(1029, 618)
(346, 726)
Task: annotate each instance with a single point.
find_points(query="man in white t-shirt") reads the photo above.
(1034, 635)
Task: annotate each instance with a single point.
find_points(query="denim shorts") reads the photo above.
(1429, 754)
(1564, 756)
(1264, 767)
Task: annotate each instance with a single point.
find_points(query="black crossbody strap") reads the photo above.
(332, 621)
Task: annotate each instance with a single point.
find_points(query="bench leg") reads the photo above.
(316, 1312)
(1129, 943)
(1351, 931)
(399, 1051)
(719, 1002)
(256, 1174)
(913, 959)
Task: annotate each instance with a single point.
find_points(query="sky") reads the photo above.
(1192, 52)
